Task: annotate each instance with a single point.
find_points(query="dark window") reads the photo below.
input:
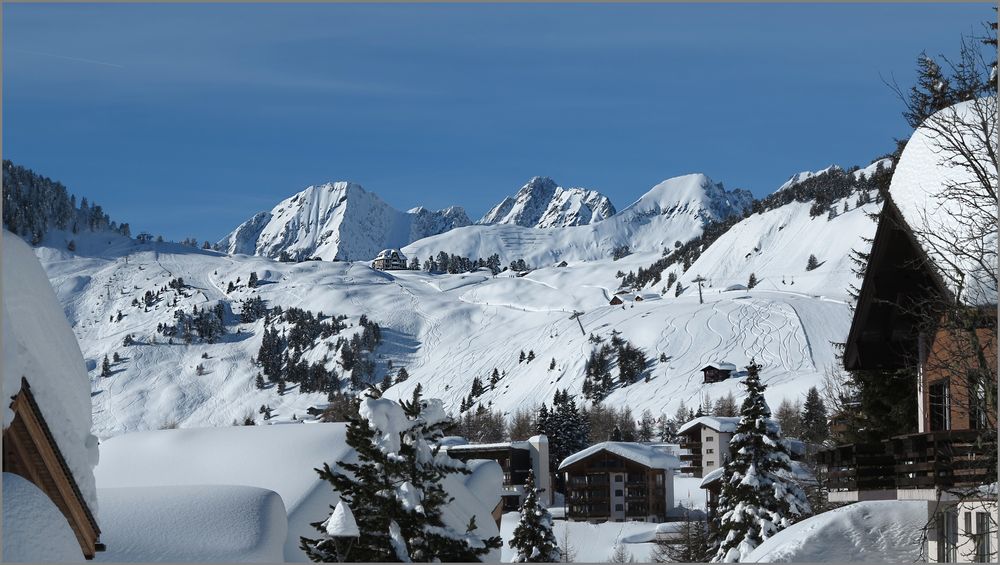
(947, 530)
(709, 450)
(940, 405)
(983, 551)
(618, 478)
(710, 438)
(618, 492)
(618, 507)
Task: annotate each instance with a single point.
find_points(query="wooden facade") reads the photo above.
(906, 318)
(30, 451)
(607, 487)
(717, 372)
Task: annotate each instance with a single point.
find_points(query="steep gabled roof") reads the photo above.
(952, 151)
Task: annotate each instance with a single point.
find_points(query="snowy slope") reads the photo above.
(674, 210)
(338, 220)
(776, 245)
(541, 203)
(445, 329)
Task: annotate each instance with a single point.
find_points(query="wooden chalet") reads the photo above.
(30, 451)
(619, 481)
(615, 301)
(913, 316)
(717, 371)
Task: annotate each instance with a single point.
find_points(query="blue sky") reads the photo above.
(185, 120)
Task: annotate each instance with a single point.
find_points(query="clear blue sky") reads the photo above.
(186, 119)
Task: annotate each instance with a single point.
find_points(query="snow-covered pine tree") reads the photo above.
(427, 537)
(395, 488)
(757, 499)
(752, 281)
(533, 537)
(369, 490)
(106, 367)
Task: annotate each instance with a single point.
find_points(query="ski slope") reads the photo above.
(445, 329)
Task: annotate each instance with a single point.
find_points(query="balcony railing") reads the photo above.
(944, 459)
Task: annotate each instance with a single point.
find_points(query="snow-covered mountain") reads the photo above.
(676, 209)
(541, 203)
(339, 220)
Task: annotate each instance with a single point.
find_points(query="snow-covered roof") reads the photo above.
(965, 258)
(846, 534)
(39, 345)
(712, 477)
(724, 424)
(34, 529)
(640, 453)
(720, 365)
(192, 523)
(388, 254)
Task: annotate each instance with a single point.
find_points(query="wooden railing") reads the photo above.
(943, 459)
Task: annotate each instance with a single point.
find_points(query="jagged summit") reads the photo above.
(541, 203)
(336, 220)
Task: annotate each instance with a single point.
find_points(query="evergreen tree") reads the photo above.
(757, 500)
(752, 282)
(814, 426)
(395, 488)
(533, 538)
(252, 280)
(812, 263)
(106, 367)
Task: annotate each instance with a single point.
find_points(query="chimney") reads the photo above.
(540, 465)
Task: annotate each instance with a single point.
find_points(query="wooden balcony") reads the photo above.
(944, 459)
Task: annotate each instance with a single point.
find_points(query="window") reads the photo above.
(977, 400)
(618, 478)
(983, 552)
(618, 507)
(618, 492)
(709, 450)
(710, 438)
(659, 479)
(709, 463)
(940, 406)
(947, 537)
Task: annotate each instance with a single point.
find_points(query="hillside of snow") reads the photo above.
(775, 246)
(444, 329)
(677, 209)
(338, 220)
(541, 203)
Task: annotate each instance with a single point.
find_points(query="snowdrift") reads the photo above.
(867, 532)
